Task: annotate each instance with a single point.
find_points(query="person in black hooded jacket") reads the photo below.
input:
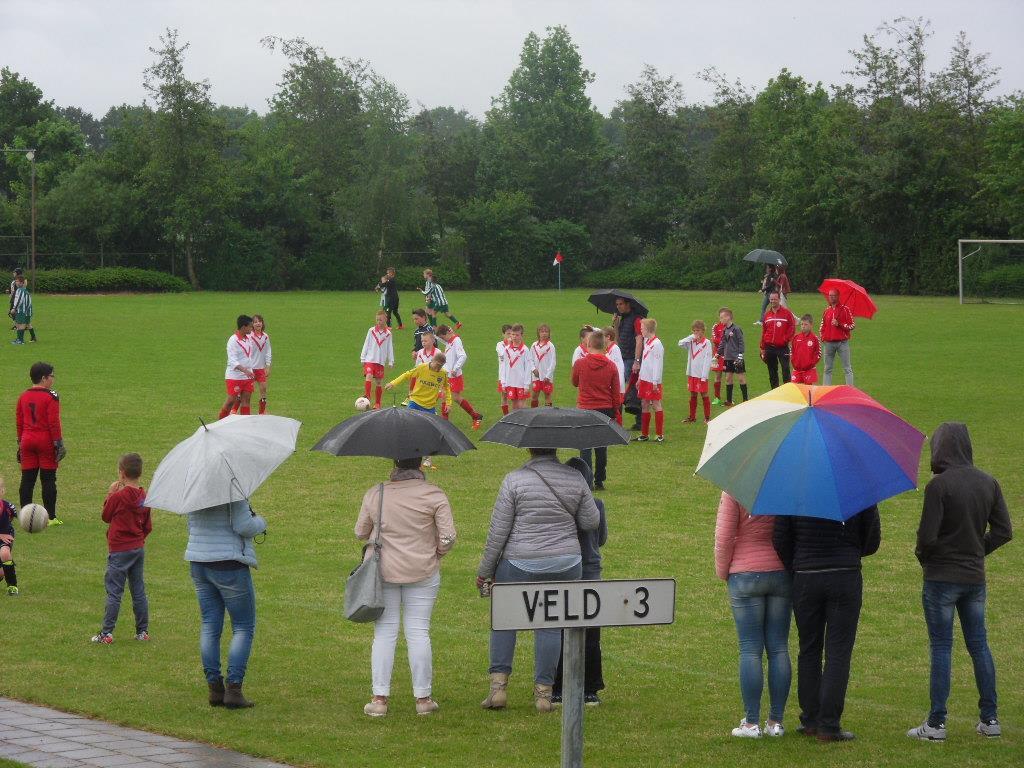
(964, 519)
(824, 557)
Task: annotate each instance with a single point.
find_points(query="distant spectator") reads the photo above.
(836, 325)
(776, 333)
(768, 286)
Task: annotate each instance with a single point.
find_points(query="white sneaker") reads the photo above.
(747, 730)
(773, 730)
(926, 732)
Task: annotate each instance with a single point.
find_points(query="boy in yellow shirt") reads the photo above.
(431, 384)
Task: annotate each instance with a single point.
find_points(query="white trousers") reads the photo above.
(416, 601)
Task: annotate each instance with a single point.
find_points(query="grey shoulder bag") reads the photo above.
(364, 587)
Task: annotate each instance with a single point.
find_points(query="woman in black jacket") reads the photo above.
(824, 557)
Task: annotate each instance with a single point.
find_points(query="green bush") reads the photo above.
(108, 280)
(1007, 280)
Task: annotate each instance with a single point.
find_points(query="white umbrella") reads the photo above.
(223, 462)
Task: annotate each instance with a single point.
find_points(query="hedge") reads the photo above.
(108, 280)
(1004, 281)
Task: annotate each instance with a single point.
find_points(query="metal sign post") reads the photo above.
(573, 606)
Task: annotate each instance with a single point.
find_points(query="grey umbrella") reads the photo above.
(764, 256)
(556, 428)
(394, 433)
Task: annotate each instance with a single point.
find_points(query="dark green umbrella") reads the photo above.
(765, 256)
(556, 428)
(394, 433)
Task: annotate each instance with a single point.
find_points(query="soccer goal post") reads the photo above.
(984, 274)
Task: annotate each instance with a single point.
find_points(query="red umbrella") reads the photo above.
(851, 294)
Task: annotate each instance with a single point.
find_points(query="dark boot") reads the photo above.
(217, 693)
(233, 698)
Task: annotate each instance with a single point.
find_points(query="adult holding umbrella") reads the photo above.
(410, 524)
(627, 311)
(209, 477)
(846, 299)
(774, 262)
(533, 530)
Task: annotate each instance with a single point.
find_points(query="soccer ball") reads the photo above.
(33, 518)
(362, 404)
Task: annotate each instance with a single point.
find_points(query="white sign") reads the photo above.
(564, 604)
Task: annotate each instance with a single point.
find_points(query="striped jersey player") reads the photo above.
(437, 302)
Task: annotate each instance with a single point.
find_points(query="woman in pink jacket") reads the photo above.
(760, 594)
(417, 530)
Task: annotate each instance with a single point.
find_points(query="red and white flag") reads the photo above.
(558, 259)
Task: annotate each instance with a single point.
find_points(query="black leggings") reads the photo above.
(49, 483)
(394, 312)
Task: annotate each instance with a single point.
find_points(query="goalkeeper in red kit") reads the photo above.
(40, 443)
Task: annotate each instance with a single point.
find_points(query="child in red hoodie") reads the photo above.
(806, 353)
(129, 523)
(599, 386)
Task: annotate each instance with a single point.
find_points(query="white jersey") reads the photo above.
(652, 361)
(499, 349)
(699, 356)
(578, 354)
(422, 356)
(261, 353)
(614, 354)
(378, 347)
(544, 360)
(519, 367)
(240, 353)
(454, 357)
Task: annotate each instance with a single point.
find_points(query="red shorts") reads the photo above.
(810, 376)
(547, 387)
(37, 451)
(718, 364)
(693, 384)
(238, 386)
(456, 384)
(259, 374)
(645, 390)
(373, 370)
(516, 393)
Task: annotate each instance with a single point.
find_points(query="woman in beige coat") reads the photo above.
(416, 531)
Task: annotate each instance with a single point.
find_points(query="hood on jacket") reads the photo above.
(596, 360)
(951, 447)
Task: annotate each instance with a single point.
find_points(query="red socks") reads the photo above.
(707, 408)
(223, 413)
(534, 402)
(659, 422)
(693, 405)
(379, 392)
(263, 405)
(645, 423)
(468, 409)
(245, 410)
(366, 388)
(504, 410)
(618, 416)
(718, 389)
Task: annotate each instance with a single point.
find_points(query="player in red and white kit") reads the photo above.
(454, 361)
(648, 387)
(582, 350)
(718, 364)
(699, 355)
(499, 349)
(263, 357)
(520, 369)
(378, 351)
(40, 440)
(613, 353)
(543, 352)
(238, 376)
(806, 353)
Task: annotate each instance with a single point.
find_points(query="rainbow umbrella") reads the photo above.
(825, 452)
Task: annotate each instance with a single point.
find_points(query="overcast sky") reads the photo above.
(91, 53)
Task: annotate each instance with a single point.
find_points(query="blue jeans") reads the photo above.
(547, 643)
(761, 605)
(233, 591)
(126, 567)
(940, 599)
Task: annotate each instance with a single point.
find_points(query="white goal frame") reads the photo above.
(960, 258)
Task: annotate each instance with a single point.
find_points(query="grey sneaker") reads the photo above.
(989, 728)
(926, 732)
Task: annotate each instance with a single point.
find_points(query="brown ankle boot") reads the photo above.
(542, 698)
(498, 696)
(217, 692)
(233, 698)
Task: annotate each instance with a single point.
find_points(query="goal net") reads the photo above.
(991, 271)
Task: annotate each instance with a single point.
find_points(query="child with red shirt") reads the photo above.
(806, 353)
(40, 441)
(127, 516)
(718, 364)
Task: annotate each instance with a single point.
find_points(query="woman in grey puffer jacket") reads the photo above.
(533, 538)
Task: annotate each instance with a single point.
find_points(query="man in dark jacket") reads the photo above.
(964, 519)
(824, 558)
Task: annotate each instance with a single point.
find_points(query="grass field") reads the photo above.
(136, 373)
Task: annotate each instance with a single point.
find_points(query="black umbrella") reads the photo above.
(764, 256)
(394, 433)
(605, 301)
(556, 428)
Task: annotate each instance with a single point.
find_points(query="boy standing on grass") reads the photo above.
(718, 366)
(499, 348)
(431, 385)
(419, 319)
(437, 302)
(7, 516)
(730, 349)
(40, 439)
(520, 369)
(543, 351)
(378, 351)
(648, 387)
(128, 524)
(806, 353)
(698, 365)
(388, 289)
(455, 361)
(21, 311)
(238, 376)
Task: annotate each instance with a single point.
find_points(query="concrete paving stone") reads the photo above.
(161, 739)
(11, 751)
(63, 732)
(81, 754)
(23, 721)
(93, 738)
(35, 754)
(55, 761)
(120, 745)
(145, 750)
(114, 761)
(64, 746)
(32, 740)
(151, 764)
(173, 759)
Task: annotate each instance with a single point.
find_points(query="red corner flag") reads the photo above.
(558, 259)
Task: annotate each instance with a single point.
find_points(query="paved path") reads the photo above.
(46, 738)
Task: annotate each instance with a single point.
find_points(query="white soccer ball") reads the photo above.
(362, 404)
(33, 518)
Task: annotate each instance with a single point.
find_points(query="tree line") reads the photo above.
(872, 179)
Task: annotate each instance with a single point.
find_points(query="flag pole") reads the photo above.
(559, 277)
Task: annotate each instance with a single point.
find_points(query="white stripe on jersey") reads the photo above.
(378, 347)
